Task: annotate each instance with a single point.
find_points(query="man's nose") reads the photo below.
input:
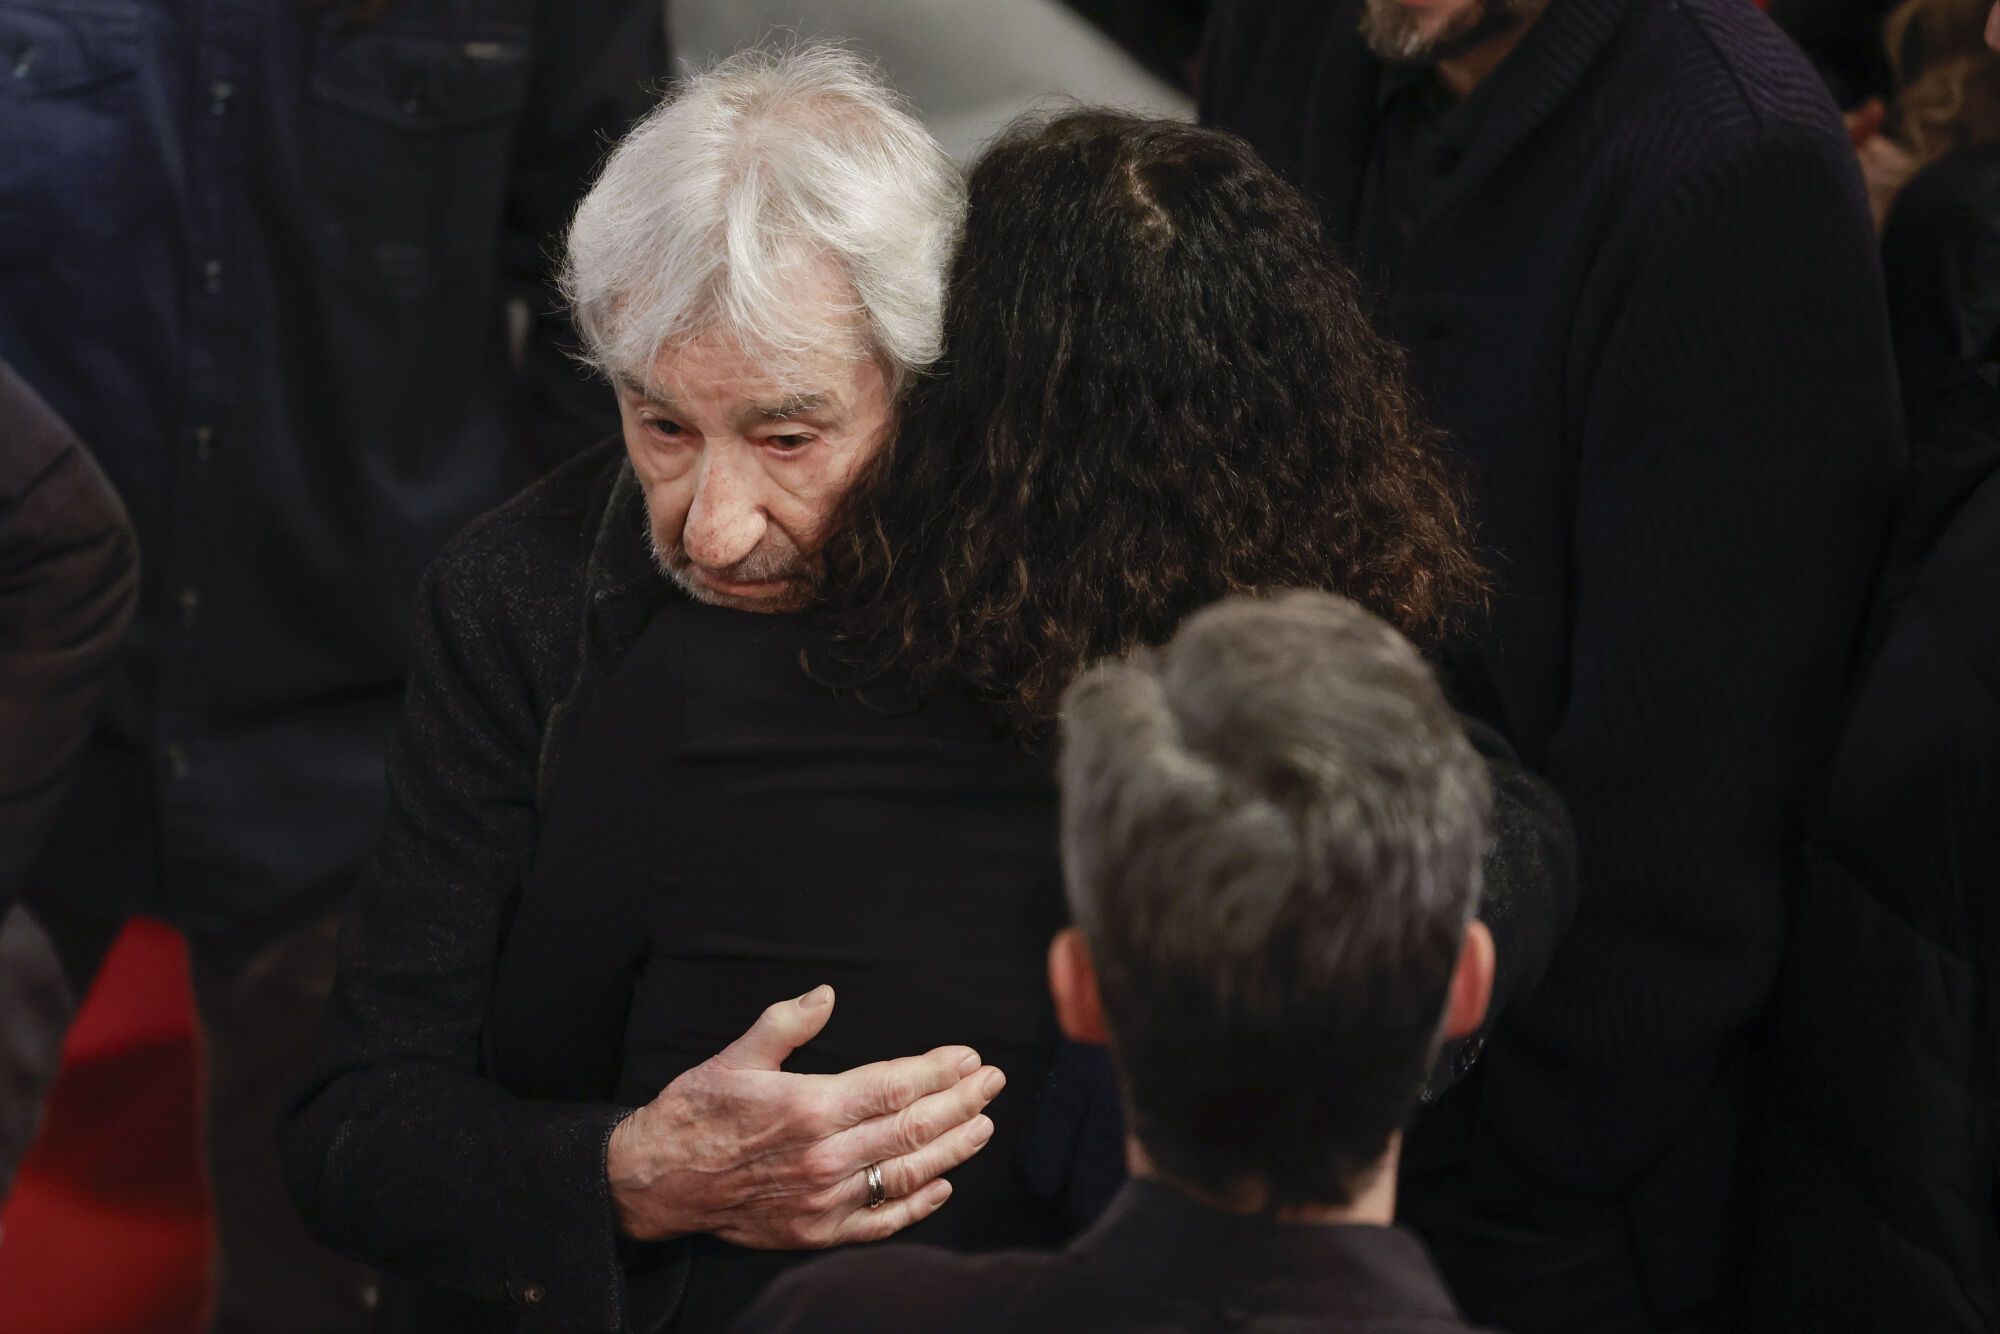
(725, 520)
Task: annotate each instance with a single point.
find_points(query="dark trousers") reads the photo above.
(258, 989)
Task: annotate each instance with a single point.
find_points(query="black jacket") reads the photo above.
(261, 257)
(1879, 1195)
(69, 574)
(1645, 304)
(400, 1151)
(1941, 259)
(1156, 1263)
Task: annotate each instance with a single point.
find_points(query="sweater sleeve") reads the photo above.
(1737, 447)
(398, 1151)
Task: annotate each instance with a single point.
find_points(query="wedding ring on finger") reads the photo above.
(876, 1195)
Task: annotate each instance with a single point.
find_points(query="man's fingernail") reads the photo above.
(969, 1064)
(982, 1129)
(993, 1084)
(818, 997)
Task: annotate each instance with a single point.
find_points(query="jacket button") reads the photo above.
(530, 1295)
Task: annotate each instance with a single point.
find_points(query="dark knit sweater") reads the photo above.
(1647, 309)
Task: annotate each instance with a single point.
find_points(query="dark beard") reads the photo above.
(1390, 39)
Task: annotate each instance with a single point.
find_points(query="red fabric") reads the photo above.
(107, 1227)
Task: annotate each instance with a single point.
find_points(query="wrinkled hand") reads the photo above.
(741, 1150)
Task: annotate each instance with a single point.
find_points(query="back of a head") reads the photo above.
(1272, 832)
(729, 207)
(1947, 78)
(1160, 387)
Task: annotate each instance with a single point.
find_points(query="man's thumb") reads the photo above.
(781, 1030)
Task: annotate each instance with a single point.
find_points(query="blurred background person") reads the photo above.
(1941, 238)
(69, 573)
(1626, 245)
(1876, 1193)
(261, 256)
(1942, 94)
(1272, 829)
(1945, 97)
(1880, 1170)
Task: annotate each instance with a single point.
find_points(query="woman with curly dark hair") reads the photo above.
(1159, 388)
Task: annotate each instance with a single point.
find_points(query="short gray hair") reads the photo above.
(749, 179)
(1272, 835)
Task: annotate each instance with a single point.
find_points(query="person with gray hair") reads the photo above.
(1272, 835)
(759, 271)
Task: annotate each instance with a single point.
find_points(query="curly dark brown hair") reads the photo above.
(1159, 387)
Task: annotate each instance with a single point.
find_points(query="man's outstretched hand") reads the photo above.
(741, 1150)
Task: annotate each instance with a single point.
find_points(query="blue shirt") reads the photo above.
(259, 254)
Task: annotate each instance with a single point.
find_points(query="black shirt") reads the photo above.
(258, 255)
(1157, 1262)
(730, 833)
(1422, 133)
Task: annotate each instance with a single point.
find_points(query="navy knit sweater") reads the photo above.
(1646, 305)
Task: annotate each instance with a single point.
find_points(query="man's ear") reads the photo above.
(1471, 983)
(1073, 983)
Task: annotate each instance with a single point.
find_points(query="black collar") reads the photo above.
(1456, 119)
(1164, 1242)
(1553, 58)
(622, 588)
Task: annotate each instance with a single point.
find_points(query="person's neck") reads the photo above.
(1375, 1203)
(1464, 72)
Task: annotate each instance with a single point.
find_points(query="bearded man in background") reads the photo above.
(1626, 246)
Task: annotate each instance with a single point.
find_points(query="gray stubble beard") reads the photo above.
(1396, 38)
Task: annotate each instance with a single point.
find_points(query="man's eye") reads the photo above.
(788, 443)
(660, 426)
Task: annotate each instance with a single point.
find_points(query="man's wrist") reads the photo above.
(631, 1168)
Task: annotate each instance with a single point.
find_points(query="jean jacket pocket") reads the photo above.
(410, 129)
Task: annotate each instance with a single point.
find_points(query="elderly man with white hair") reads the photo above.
(759, 272)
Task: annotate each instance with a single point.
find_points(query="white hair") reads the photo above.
(745, 191)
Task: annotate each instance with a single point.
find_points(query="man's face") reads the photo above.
(741, 472)
(1424, 32)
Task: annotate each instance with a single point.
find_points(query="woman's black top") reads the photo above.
(729, 833)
